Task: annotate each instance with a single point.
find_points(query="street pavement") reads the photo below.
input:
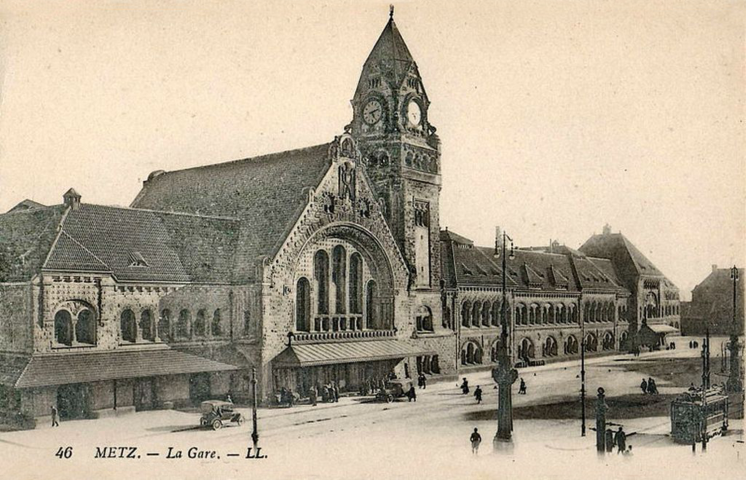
(359, 438)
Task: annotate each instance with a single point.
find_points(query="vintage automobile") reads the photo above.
(217, 412)
(394, 389)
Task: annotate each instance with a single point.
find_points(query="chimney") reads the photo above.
(72, 199)
(607, 229)
(498, 245)
(714, 267)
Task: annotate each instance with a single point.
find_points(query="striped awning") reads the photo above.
(312, 354)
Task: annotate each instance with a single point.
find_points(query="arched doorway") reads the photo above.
(526, 349)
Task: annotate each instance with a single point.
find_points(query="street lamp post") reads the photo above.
(255, 427)
(504, 374)
(582, 375)
(735, 382)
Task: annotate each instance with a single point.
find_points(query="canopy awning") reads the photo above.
(663, 329)
(312, 354)
(61, 369)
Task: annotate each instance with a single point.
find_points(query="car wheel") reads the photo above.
(216, 424)
(389, 398)
(240, 420)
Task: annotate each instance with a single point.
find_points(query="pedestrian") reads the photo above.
(644, 386)
(55, 417)
(652, 387)
(475, 439)
(522, 388)
(335, 391)
(478, 394)
(312, 395)
(609, 440)
(465, 386)
(412, 393)
(229, 399)
(620, 439)
(422, 381)
(290, 397)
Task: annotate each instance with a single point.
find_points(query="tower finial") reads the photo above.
(391, 12)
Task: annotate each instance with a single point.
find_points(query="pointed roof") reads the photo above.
(390, 54)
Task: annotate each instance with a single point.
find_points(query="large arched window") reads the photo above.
(321, 275)
(63, 328)
(550, 347)
(199, 324)
(146, 326)
(164, 326)
(217, 326)
(371, 305)
(128, 326)
(571, 345)
(591, 343)
(424, 319)
(339, 277)
(85, 330)
(303, 305)
(356, 283)
(526, 349)
(471, 354)
(608, 341)
(183, 326)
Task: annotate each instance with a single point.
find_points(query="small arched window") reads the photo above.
(486, 311)
(164, 326)
(183, 326)
(199, 324)
(303, 305)
(217, 327)
(424, 319)
(146, 326)
(85, 330)
(63, 328)
(466, 314)
(128, 326)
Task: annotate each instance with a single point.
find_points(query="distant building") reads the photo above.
(712, 305)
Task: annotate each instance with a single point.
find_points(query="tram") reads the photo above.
(694, 415)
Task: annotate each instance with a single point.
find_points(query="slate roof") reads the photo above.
(46, 370)
(618, 248)
(390, 53)
(564, 270)
(175, 247)
(266, 193)
(25, 239)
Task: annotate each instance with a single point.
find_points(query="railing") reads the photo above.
(341, 335)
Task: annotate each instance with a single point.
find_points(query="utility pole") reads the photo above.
(582, 373)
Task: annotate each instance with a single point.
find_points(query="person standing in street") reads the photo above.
(644, 386)
(522, 388)
(465, 386)
(478, 394)
(55, 417)
(475, 440)
(609, 440)
(412, 393)
(312, 395)
(335, 389)
(621, 440)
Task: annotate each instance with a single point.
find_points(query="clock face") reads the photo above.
(372, 112)
(414, 114)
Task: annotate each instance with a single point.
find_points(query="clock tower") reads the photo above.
(401, 152)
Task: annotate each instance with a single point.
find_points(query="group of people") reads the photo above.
(478, 392)
(649, 387)
(617, 439)
(329, 393)
(693, 344)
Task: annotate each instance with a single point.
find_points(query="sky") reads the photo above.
(556, 118)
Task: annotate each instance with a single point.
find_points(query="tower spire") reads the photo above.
(391, 12)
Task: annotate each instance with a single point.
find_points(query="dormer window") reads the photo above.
(137, 260)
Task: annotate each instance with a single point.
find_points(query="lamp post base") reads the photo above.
(503, 445)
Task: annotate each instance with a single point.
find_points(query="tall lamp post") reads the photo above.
(255, 427)
(582, 374)
(735, 382)
(504, 374)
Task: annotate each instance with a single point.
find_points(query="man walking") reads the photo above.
(475, 439)
(55, 417)
(478, 394)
